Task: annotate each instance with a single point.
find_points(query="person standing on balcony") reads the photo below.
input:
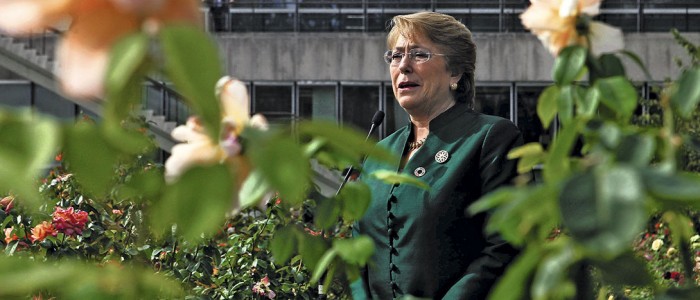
(426, 245)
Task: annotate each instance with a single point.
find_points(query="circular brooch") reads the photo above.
(442, 156)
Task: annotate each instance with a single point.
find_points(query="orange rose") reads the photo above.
(10, 236)
(41, 231)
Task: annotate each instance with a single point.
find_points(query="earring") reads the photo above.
(453, 86)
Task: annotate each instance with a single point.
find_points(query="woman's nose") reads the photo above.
(405, 64)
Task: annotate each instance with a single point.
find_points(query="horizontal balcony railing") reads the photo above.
(480, 15)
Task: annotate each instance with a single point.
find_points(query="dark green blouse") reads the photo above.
(426, 244)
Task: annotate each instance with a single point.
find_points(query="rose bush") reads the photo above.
(235, 262)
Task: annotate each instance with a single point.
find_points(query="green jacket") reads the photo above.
(426, 245)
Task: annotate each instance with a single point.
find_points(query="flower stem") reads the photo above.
(687, 262)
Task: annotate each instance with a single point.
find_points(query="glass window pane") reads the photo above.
(274, 102)
(493, 100)
(272, 98)
(480, 22)
(395, 116)
(627, 22)
(528, 122)
(359, 105)
(319, 22)
(317, 102)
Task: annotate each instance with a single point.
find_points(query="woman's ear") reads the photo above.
(456, 78)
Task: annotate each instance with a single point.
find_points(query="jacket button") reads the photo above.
(392, 266)
(390, 232)
(390, 215)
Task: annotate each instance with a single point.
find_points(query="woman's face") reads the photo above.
(421, 88)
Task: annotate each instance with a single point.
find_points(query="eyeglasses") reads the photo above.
(418, 56)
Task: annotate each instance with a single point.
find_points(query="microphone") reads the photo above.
(377, 120)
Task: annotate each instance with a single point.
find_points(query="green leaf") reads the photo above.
(253, 190)
(124, 141)
(515, 219)
(557, 164)
(687, 95)
(346, 143)
(551, 279)
(492, 200)
(683, 188)
(604, 209)
(357, 250)
(327, 213)
(527, 163)
(323, 264)
(568, 65)
(356, 197)
(197, 202)
(681, 227)
(611, 65)
(396, 178)
(530, 155)
(143, 185)
(517, 276)
(71, 279)
(125, 72)
(192, 63)
(95, 172)
(547, 105)
(588, 105)
(565, 104)
(311, 249)
(625, 270)
(29, 142)
(283, 244)
(618, 94)
(610, 135)
(636, 149)
(529, 149)
(284, 166)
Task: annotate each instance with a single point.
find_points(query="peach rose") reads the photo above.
(93, 27)
(561, 23)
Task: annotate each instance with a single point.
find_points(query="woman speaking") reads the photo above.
(425, 243)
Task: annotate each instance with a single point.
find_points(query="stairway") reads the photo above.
(32, 59)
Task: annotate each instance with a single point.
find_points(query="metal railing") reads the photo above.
(479, 15)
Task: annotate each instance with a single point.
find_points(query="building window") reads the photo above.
(359, 104)
(493, 100)
(317, 102)
(274, 101)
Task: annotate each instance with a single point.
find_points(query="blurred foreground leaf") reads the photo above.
(604, 209)
(197, 202)
(29, 143)
(22, 278)
(687, 95)
(192, 63)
